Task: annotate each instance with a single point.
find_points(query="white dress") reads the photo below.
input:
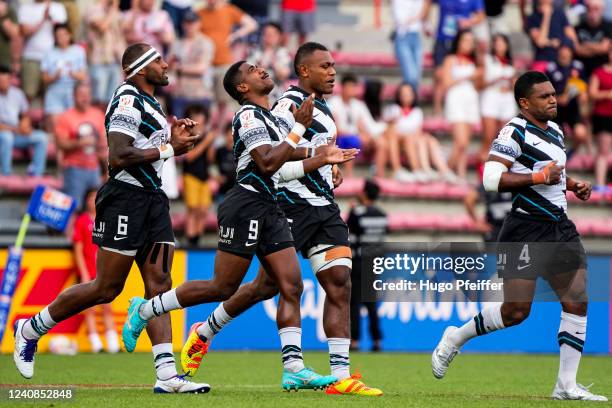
(495, 102)
(461, 103)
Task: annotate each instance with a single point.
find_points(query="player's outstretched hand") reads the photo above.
(303, 114)
(181, 138)
(336, 155)
(583, 190)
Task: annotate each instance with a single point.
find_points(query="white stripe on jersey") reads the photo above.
(282, 110)
(126, 118)
(506, 147)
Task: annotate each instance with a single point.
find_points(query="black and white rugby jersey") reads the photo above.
(530, 148)
(137, 114)
(254, 126)
(315, 188)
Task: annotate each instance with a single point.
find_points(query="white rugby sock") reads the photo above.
(38, 325)
(571, 336)
(160, 304)
(291, 343)
(487, 321)
(164, 361)
(215, 322)
(339, 357)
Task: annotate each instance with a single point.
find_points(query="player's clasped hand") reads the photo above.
(181, 138)
(552, 173)
(583, 190)
(303, 114)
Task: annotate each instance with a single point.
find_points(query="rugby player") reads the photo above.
(317, 227)
(132, 216)
(251, 222)
(528, 158)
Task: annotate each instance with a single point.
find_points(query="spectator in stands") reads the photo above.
(548, 27)
(81, 138)
(191, 60)
(460, 76)
(145, 22)
(497, 105)
(217, 21)
(409, 17)
(494, 9)
(405, 120)
(298, 16)
(10, 38)
(593, 34)
(600, 90)
(73, 13)
(197, 194)
(455, 16)
(106, 46)
(567, 77)
(16, 129)
(85, 254)
(37, 20)
(272, 56)
(224, 170)
(356, 127)
(177, 10)
(61, 68)
(259, 11)
(367, 223)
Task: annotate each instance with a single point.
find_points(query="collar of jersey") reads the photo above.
(141, 91)
(303, 92)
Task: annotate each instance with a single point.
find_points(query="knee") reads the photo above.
(265, 291)
(7, 138)
(224, 290)
(106, 291)
(337, 284)
(159, 283)
(515, 313)
(292, 290)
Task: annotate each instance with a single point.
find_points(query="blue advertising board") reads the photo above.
(405, 326)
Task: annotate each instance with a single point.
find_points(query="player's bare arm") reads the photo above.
(509, 181)
(122, 152)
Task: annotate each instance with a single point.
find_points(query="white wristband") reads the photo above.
(298, 129)
(291, 171)
(166, 151)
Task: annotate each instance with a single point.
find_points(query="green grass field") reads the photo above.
(247, 379)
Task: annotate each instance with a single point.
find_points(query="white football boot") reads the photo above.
(443, 354)
(24, 351)
(179, 385)
(580, 392)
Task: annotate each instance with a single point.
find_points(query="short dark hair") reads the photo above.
(304, 51)
(524, 84)
(274, 24)
(5, 69)
(62, 26)
(371, 189)
(132, 53)
(196, 109)
(349, 78)
(232, 79)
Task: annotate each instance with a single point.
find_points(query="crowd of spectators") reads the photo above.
(64, 60)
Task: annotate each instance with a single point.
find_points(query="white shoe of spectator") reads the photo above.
(451, 178)
(404, 176)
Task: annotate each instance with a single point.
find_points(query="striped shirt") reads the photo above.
(254, 126)
(137, 114)
(315, 188)
(530, 149)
